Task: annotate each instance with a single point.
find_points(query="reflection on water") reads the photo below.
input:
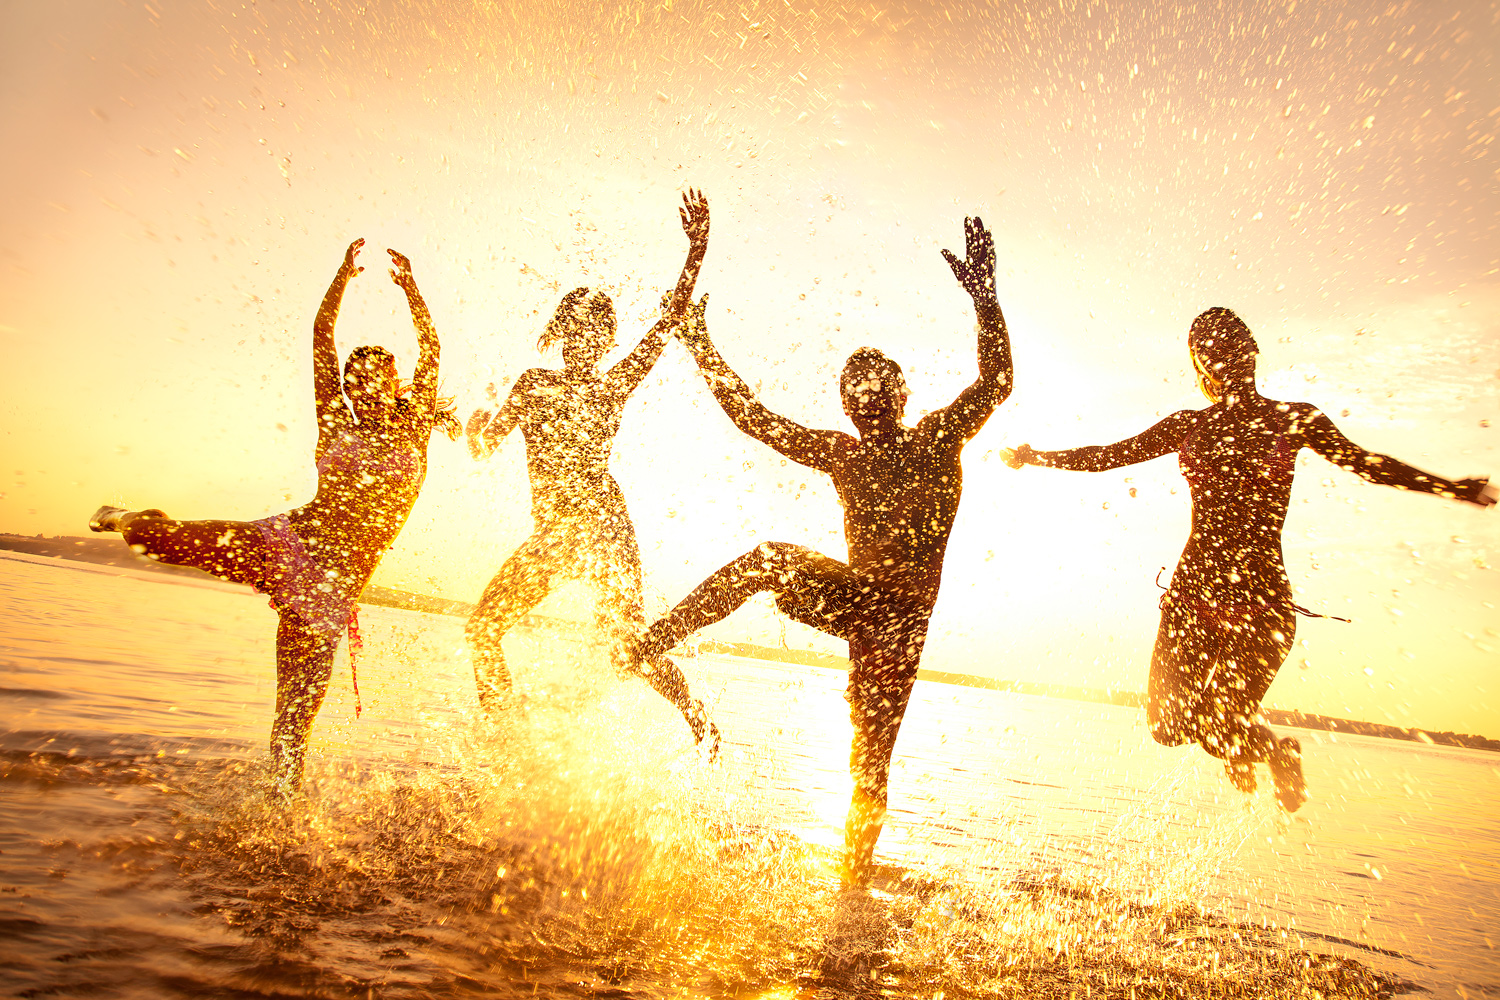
(1035, 847)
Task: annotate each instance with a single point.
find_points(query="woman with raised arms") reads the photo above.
(569, 418)
(1228, 619)
(314, 561)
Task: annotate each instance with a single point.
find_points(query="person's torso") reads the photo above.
(1239, 463)
(368, 481)
(570, 424)
(900, 496)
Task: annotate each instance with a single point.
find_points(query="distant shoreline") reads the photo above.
(108, 551)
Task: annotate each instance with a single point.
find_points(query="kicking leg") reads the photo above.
(304, 664)
(801, 578)
(523, 580)
(230, 550)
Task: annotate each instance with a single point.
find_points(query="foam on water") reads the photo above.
(586, 848)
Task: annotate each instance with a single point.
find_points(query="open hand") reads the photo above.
(1018, 456)
(350, 268)
(694, 215)
(478, 421)
(977, 273)
(1485, 494)
(401, 273)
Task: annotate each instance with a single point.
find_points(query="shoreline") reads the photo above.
(106, 551)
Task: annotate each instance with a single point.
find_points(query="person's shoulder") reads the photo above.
(837, 445)
(538, 378)
(1184, 421)
(1298, 415)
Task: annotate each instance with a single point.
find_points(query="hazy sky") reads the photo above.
(181, 179)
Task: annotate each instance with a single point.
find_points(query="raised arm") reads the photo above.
(817, 449)
(328, 393)
(1161, 438)
(424, 380)
(962, 418)
(627, 374)
(485, 430)
(1319, 434)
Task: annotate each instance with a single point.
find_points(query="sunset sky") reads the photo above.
(181, 178)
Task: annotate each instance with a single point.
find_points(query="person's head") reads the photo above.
(370, 381)
(1223, 351)
(585, 323)
(872, 387)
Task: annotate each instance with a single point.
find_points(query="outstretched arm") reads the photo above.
(817, 449)
(962, 418)
(328, 391)
(1319, 434)
(625, 376)
(1162, 438)
(424, 381)
(485, 430)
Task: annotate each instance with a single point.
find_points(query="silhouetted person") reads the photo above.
(569, 418)
(314, 561)
(1227, 620)
(899, 487)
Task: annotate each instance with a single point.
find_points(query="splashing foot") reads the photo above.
(703, 727)
(108, 518)
(1241, 775)
(1286, 770)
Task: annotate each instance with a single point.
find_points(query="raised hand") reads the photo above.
(694, 215)
(349, 269)
(401, 272)
(977, 273)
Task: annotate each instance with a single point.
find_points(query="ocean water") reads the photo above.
(1035, 847)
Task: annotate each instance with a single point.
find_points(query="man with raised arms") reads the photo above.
(899, 487)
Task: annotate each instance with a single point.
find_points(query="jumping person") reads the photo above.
(1228, 619)
(569, 419)
(314, 561)
(899, 487)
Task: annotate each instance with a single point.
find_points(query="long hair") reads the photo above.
(565, 315)
(444, 412)
(578, 306)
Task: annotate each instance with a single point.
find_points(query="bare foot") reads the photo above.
(1241, 775)
(1286, 771)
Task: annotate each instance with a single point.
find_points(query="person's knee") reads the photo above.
(482, 630)
(772, 558)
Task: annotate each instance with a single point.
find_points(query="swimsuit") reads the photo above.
(292, 578)
(1278, 467)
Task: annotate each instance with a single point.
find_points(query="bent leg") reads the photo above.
(230, 550)
(304, 664)
(1250, 654)
(614, 569)
(521, 583)
(1182, 666)
(797, 575)
(1232, 729)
